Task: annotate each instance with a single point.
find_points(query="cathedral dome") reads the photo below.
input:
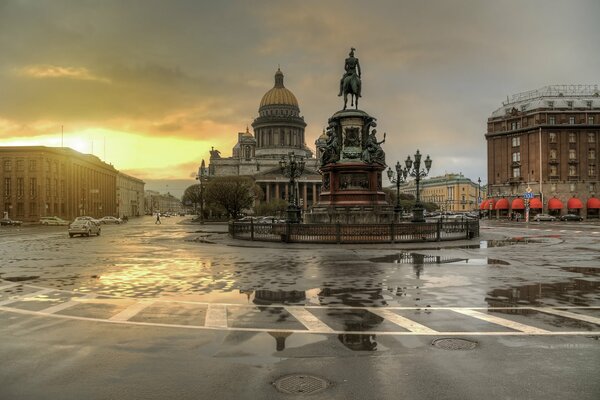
(279, 95)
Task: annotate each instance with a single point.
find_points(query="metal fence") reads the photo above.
(355, 233)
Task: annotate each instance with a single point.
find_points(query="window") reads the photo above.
(20, 187)
(552, 120)
(571, 120)
(553, 154)
(32, 209)
(591, 170)
(32, 165)
(553, 187)
(591, 120)
(47, 166)
(588, 104)
(48, 186)
(516, 141)
(553, 170)
(591, 154)
(572, 154)
(592, 187)
(515, 125)
(552, 137)
(572, 187)
(7, 187)
(516, 172)
(516, 157)
(572, 170)
(572, 137)
(570, 104)
(20, 210)
(20, 165)
(591, 137)
(550, 104)
(32, 187)
(7, 165)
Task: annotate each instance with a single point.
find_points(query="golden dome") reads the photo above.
(247, 133)
(279, 95)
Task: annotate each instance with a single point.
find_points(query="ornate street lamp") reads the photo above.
(479, 196)
(292, 168)
(398, 178)
(414, 170)
(201, 177)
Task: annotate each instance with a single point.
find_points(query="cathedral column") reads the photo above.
(268, 192)
(277, 191)
(304, 195)
(314, 189)
(287, 193)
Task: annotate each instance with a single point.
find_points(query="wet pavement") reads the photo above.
(519, 289)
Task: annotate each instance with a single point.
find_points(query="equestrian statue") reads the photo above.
(350, 83)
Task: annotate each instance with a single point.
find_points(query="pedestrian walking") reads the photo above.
(158, 219)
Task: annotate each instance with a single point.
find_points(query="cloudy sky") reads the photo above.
(150, 86)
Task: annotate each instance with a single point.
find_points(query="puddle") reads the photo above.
(417, 258)
(20, 278)
(582, 270)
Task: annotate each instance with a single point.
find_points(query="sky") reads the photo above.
(149, 86)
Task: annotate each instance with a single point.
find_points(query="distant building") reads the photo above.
(156, 202)
(451, 192)
(40, 181)
(546, 140)
(130, 196)
(278, 130)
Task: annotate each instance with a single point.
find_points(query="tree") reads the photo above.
(192, 195)
(275, 207)
(233, 193)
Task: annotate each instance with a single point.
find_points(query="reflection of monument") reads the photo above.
(351, 162)
(265, 296)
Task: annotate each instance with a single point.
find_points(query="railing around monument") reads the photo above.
(355, 233)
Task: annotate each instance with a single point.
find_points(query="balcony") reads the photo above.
(573, 161)
(515, 179)
(553, 161)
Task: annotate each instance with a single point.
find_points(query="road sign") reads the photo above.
(528, 195)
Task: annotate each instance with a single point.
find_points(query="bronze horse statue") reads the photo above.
(351, 86)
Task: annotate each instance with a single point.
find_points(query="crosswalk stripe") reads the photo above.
(308, 319)
(561, 313)
(499, 321)
(402, 321)
(130, 311)
(216, 316)
(63, 306)
(24, 296)
(3, 287)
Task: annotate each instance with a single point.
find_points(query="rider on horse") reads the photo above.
(352, 67)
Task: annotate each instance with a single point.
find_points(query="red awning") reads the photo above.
(501, 204)
(517, 204)
(484, 205)
(555, 204)
(593, 203)
(574, 203)
(535, 203)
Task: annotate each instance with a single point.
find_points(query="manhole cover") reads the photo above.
(301, 384)
(454, 344)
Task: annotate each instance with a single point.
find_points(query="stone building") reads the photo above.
(39, 181)
(278, 131)
(156, 202)
(130, 196)
(451, 192)
(545, 140)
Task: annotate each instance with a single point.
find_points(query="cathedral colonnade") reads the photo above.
(308, 192)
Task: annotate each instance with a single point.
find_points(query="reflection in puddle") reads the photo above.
(358, 342)
(582, 270)
(419, 259)
(578, 292)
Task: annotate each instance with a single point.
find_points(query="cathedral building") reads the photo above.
(278, 131)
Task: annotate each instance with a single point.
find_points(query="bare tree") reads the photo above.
(192, 195)
(233, 193)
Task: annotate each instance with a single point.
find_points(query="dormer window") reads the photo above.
(550, 104)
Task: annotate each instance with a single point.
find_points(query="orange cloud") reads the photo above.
(55, 71)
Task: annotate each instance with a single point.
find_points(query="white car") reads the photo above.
(110, 220)
(84, 227)
(86, 218)
(53, 221)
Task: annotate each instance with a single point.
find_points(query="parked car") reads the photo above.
(571, 217)
(86, 218)
(53, 221)
(110, 220)
(544, 217)
(9, 222)
(84, 227)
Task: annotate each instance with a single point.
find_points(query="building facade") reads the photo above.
(39, 181)
(278, 131)
(155, 202)
(450, 192)
(545, 141)
(130, 196)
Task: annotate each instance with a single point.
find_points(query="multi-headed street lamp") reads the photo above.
(292, 168)
(398, 178)
(414, 170)
(201, 177)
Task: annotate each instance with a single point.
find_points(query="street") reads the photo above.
(180, 310)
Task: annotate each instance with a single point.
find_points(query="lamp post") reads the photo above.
(201, 177)
(479, 196)
(414, 170)
(398, 178)
(292, 168)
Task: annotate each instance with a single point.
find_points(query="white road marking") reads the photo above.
(63, 306)
(3, 287)
(500, 321)
(216, 316)
(131, 311)
(561, 313)
(577, 232)
(308, 319)
(402, 321)
(24, 296)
